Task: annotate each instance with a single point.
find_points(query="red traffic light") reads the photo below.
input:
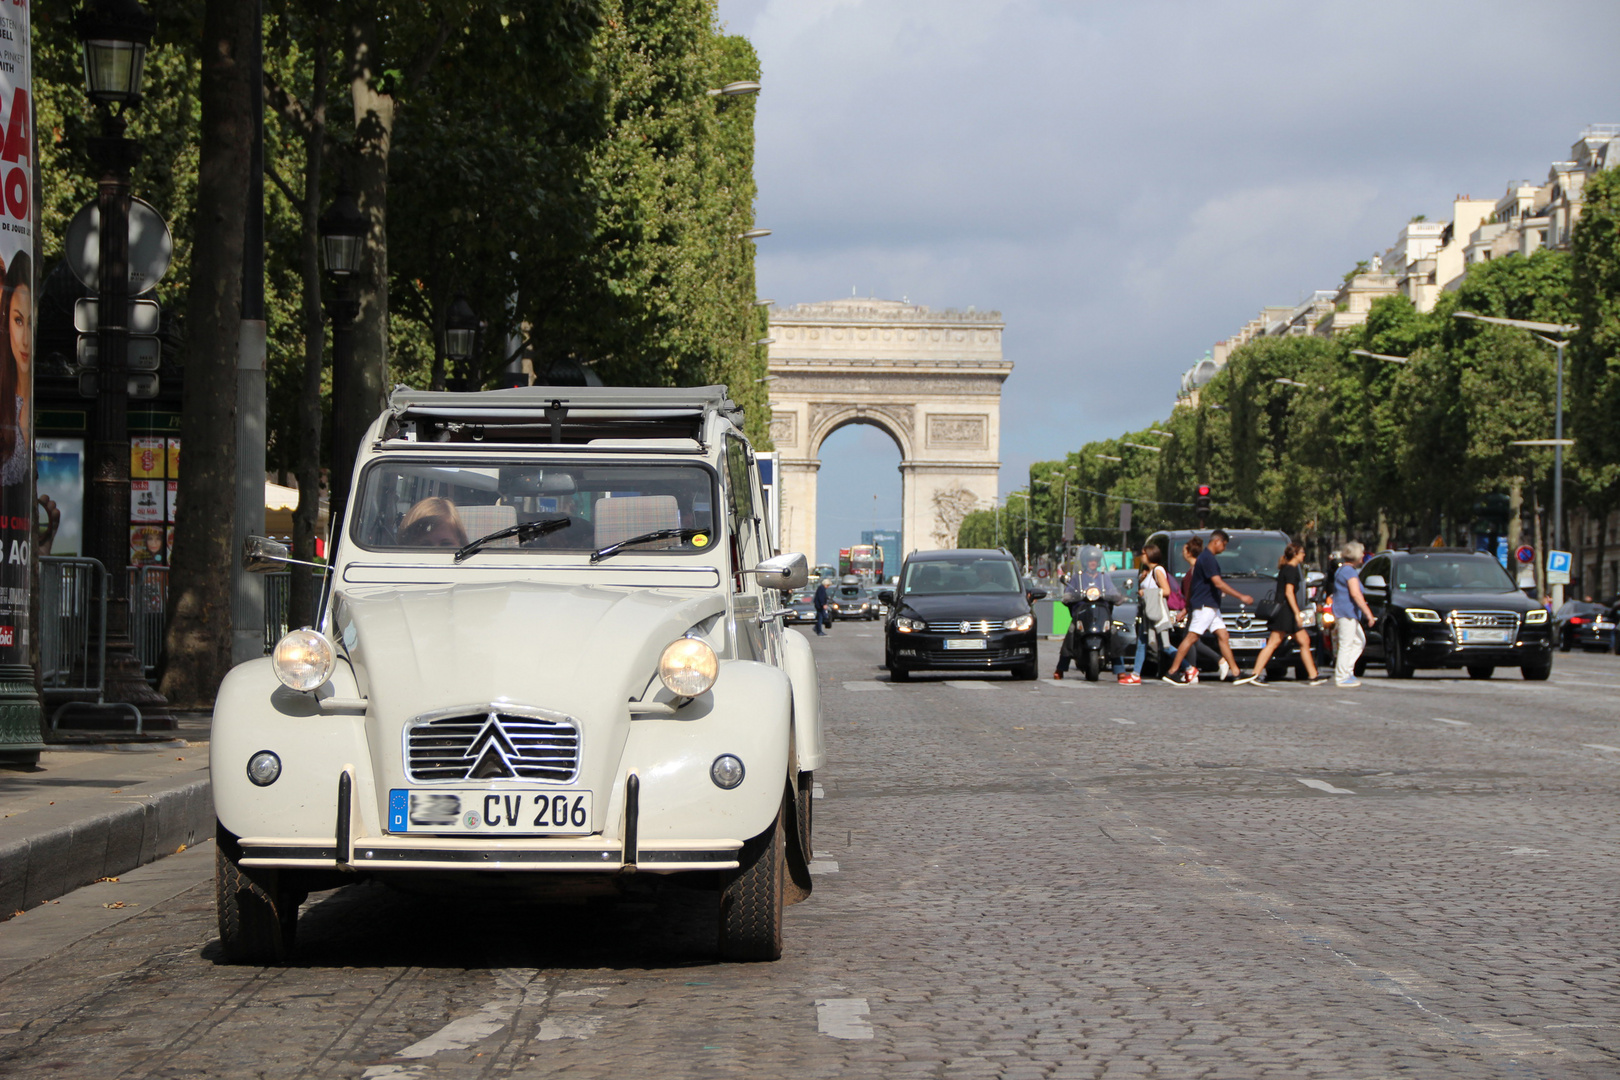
(1203, 489)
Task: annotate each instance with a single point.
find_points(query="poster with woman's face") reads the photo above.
(16, 329)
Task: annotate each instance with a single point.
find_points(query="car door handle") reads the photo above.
(770, 615)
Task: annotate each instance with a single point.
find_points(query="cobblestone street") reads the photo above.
(1014, 879)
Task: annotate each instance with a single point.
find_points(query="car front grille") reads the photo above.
(969, 657)
(1484, 620)
(981, 626)
(497, 743)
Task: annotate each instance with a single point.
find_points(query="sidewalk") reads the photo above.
(95, 810)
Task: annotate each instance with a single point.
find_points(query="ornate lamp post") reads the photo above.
(461, 328)
(342, 229)
(113, 36)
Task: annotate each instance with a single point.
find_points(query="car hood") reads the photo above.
(975, 606)
(424, 647)
(1453, 601)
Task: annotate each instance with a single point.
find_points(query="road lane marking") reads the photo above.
(1323, 785)
(1453, 723)
(553, 1028)
(858, 687)
(1120, 720)
(963, 684)
(817, 791)
(843, 1018)
(820, 863)
(1600, 746)
(1527, 851)
(461, 1032)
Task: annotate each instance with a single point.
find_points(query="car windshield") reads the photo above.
(420, 505)
(1252, 555)
(1452, 573)
(937, 576)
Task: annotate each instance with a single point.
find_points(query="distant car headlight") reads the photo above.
(1423, 614)
(1535, 618)
(1021, 622)
(906, 624)
(304, 660)
(1307, 615)
(688, 667)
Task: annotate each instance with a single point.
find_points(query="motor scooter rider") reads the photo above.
(1087, 582)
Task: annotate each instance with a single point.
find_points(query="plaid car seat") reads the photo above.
(620, 519)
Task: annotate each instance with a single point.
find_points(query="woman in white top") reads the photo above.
(1154, 617)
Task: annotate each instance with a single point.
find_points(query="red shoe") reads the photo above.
(1057, 674)
(1130, 679)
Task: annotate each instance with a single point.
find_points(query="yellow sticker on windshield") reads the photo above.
(700, 540)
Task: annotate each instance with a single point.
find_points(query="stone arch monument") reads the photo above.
(929, 379)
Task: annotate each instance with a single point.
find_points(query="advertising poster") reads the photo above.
(59, 464)
(16, 329)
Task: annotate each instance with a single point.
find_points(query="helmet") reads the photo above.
(1087, 555)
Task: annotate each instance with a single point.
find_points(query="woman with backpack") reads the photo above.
(1154, 617)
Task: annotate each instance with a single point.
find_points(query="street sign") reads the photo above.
(143, 316)
(1525, 554)
(151, 247)
(1558, 563)
(1124, 517)
(1502, 551)
(141, 385)
(144, 353)
(1068, 529)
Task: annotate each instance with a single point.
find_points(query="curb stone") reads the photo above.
(51, 851)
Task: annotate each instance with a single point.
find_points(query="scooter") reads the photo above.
(1092, 629)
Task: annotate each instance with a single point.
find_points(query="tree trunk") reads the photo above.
(199, 632)
(367, 381)
(306, 583)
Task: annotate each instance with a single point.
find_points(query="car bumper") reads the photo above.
(588, 854)
(922, 650)
(1429, 652)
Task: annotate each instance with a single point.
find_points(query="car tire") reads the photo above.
(898, 673)
(1564, 644)
(751, 898)
(1395, 662)
(1537, 672)
(257, 908)
(1026, 671)
(1481, 671)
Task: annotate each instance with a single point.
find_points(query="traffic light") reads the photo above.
(1201, 503)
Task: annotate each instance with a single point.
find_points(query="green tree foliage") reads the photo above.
(1595, 350)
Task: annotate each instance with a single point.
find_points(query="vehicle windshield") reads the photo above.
(1252, 555)
(938, 576)
(420, 505)
(1452, 573)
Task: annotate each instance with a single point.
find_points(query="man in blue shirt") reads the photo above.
(1349, 635)
(1204, 610)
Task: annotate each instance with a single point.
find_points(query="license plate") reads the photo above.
(1602, 626)
(1248, 643)
(967, 643)
(479, 811)
(1485, 637)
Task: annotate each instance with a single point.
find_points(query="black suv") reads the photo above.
(1452, 608)
(1249, 565)
(961, 609)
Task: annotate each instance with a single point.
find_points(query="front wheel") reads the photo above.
(1537, 672)
(1094, 664)
(1026, 671)
(1396, 665)
(257, 908)
(1481, 671)
(751, 899)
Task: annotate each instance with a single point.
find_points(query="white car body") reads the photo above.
(514, 647)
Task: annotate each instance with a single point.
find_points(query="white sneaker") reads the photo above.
(1225, 669)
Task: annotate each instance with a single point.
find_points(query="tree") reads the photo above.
(1594, 353)
(198, 649)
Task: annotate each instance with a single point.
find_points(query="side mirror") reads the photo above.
(262, 555)
(1036, 594)
(1376, 582)
(790, 571)
(1315, 577)
(886, 595)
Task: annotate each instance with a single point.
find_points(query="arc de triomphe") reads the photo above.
(930, 379)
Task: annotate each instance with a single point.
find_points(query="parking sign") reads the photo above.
(1558, 567)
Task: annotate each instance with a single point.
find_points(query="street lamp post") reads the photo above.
(343, 227)
(114, 35)
(461, 328)
(1541, 329)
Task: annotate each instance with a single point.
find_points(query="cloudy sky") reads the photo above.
(1130, 182)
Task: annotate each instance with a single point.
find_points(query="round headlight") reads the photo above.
(304, 660)
(688, 667)
(727, 771)
(263, 768)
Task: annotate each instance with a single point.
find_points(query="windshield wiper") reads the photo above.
(657, 534)
(523, 530)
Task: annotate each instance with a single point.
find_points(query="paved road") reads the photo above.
(1014, 880)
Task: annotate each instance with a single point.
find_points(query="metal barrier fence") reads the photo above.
(73, 635)
(148, 608)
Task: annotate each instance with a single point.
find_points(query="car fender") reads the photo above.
(253, 711)
(747, 713)
(799, 661)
